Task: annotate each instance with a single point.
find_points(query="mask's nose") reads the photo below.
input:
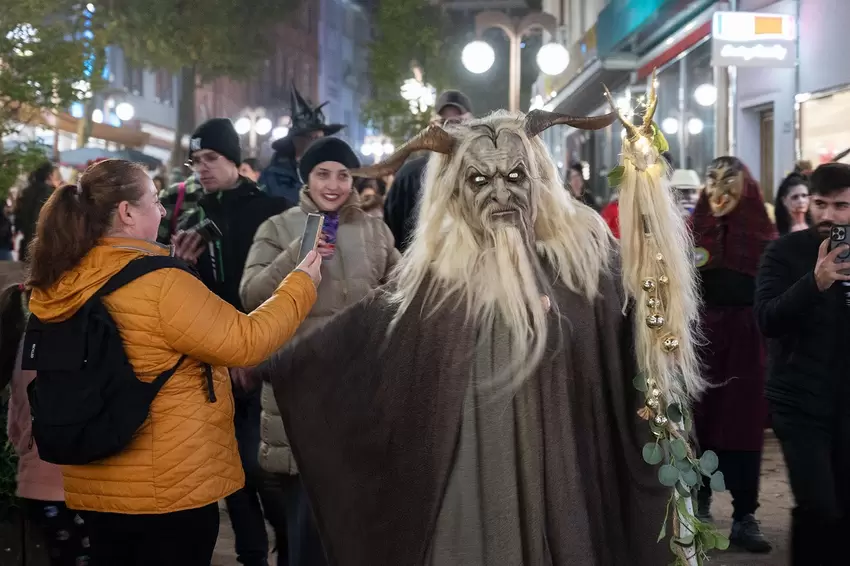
(501, 194)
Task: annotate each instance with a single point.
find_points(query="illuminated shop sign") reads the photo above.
(753, 40)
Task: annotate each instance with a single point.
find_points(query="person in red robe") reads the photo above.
(731, 229)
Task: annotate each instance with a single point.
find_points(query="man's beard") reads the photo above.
(507, 293)
(824, 229)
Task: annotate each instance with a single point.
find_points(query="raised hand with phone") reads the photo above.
(345, 251)
(833, 258)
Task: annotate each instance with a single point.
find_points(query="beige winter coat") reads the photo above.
(365, 255)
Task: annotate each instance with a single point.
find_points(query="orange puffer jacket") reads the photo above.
(185, 455)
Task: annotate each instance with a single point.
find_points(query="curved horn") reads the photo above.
(537, 121)
(631, 129)
(651, 105)
(432, 138)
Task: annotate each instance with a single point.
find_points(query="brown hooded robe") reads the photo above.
(375, 427)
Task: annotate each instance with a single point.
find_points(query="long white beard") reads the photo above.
(505, 288)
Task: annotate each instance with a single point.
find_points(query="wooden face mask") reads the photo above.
(724, 185)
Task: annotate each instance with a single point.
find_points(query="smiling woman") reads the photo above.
(358, 255)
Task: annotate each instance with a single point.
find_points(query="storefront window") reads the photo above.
(699, 109)
(825, 128)
(667, 113)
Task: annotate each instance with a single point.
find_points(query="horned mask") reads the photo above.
(437, 139)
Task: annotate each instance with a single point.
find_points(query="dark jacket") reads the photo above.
(281, 180)
(402, 200)
(27, 208)
(237, 213)
(808, 329)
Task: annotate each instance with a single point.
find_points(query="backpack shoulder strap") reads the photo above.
(139, 267)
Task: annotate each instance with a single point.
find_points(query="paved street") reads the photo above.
(774, 514)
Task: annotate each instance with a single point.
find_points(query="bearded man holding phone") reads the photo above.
(801, 306)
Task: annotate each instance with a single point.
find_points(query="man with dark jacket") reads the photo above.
(237, 207)
(403, 196)
(803, 306)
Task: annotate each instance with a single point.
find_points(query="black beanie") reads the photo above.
(327, 149)
(220, 136)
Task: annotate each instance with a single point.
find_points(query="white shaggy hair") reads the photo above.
(497, 275)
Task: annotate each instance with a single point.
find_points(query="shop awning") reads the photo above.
(123, 136)
(585, 93)
(642, 24)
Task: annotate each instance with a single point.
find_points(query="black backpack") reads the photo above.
(86, 401)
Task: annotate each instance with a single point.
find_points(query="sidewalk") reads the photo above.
(774, 514)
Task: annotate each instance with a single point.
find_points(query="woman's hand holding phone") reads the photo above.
(312, 266)
(188, 246)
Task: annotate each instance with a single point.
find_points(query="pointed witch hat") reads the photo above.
(305, 119)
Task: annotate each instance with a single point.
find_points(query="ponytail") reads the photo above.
(76, 217)
(63, 238)
(12, 322)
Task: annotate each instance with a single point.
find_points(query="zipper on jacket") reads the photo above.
(342, 269)
(210, 385)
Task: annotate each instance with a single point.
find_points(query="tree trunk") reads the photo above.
(185, 115)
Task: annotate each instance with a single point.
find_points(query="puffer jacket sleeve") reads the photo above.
(196, 322)
(393, 255)
(272, 257)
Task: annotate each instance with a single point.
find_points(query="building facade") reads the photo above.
(152, 95)
(780, 115)
(345, 31)
(294, 61)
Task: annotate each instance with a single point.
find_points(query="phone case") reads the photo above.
(310, 238)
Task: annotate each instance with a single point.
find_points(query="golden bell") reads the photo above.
(652, 403)
(655, 392)
(670, 344)
(655, 321)
(648, 284)
(653, 303)
(664, 280)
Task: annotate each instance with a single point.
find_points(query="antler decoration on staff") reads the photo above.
(660, 283)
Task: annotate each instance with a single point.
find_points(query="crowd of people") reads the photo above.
(364, 402)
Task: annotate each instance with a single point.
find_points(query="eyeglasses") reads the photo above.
(203, 159)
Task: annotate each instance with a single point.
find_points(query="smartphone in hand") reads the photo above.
(207, 230)
(310, 238)
(839, 235)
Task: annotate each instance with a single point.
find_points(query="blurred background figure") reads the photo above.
(159, 183)
(250, 169)
(686, 184)
(42, 182)
(804, 167)
(577, 185)
(792, 204)
(372, 193)
(281, 179)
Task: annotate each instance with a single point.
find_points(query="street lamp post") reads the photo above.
(478, 56)
(254, 123)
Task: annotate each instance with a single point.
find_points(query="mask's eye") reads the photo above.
(479, 180)
(516, 176)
